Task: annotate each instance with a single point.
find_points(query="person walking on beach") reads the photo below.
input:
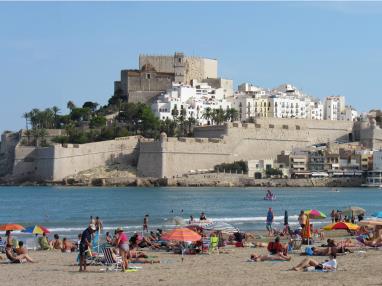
(202, 216)
(85, 243)
(146, 223)
(286, 230)
(122, 242)
(332, 215)
(191, 221)
(269, 221)
(302, 219)
(98, 224)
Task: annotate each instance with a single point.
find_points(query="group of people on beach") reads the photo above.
(126, 247)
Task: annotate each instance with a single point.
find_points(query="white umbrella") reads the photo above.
(177, 220)
(221, 226)
(352, 211)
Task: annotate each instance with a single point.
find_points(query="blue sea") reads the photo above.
(66, 210)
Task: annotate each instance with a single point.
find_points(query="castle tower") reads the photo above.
(179, 67)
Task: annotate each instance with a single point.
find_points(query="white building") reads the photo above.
(192, 101)
(374, 178)
(333, 107)
(349, 114)
(315, 110)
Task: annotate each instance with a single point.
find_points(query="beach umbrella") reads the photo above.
(341, 225)
(315, 214)
(177, 220)
(182, 234)
(377, 214)
(352, 211)
(36, 229)
(11, 226)
(221, 226)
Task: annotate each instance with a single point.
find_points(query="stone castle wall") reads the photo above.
(59, 161)
(235, 141)
(194, 67)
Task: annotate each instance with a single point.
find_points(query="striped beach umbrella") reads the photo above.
(341, 225)
(36, 229)
(221, 226)
(182, 234)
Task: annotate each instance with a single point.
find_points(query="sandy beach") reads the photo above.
(56, 268)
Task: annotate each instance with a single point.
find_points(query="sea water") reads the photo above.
(66, 210)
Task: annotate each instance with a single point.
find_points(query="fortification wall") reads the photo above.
(150, 162)
(160, 63)
(32, 163)
(7, 151)
(315, 131)
(71, 159)
(200, 68)
(235, 141)
(173, 157)
(59, 161)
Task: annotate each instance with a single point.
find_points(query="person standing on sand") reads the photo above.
(98, 224)
(85, 243)
(332, 215)
(302, 219)
(146, 223)
(269, 221)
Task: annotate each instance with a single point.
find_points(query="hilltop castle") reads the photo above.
(156, 74)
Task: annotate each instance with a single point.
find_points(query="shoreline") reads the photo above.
(237, 182)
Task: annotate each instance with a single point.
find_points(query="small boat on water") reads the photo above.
(271, 197)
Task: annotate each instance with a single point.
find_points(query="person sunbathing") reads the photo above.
(20, 258)
(266, 257)
(56, 243)
(67, 246)
(278, 249)
(375, 242)
(328, 265)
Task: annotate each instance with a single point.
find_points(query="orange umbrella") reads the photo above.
(182, 234)
(11, 226)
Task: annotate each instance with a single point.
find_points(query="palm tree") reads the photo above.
(26, 117)
(55, 110)
(207, 115)
(70, 105)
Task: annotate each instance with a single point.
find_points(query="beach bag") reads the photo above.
(308, 251)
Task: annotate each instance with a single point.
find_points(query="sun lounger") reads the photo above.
(31, 244)
(2, 247)
(113, 265)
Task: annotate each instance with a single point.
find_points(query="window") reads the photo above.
(148, 76)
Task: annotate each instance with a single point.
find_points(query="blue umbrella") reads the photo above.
(377, 214)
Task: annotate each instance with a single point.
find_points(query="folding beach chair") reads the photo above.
(31, 244)
(206, 242)
(113, 265)
(2, 247)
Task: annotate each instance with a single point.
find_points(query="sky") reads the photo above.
(51, 53)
